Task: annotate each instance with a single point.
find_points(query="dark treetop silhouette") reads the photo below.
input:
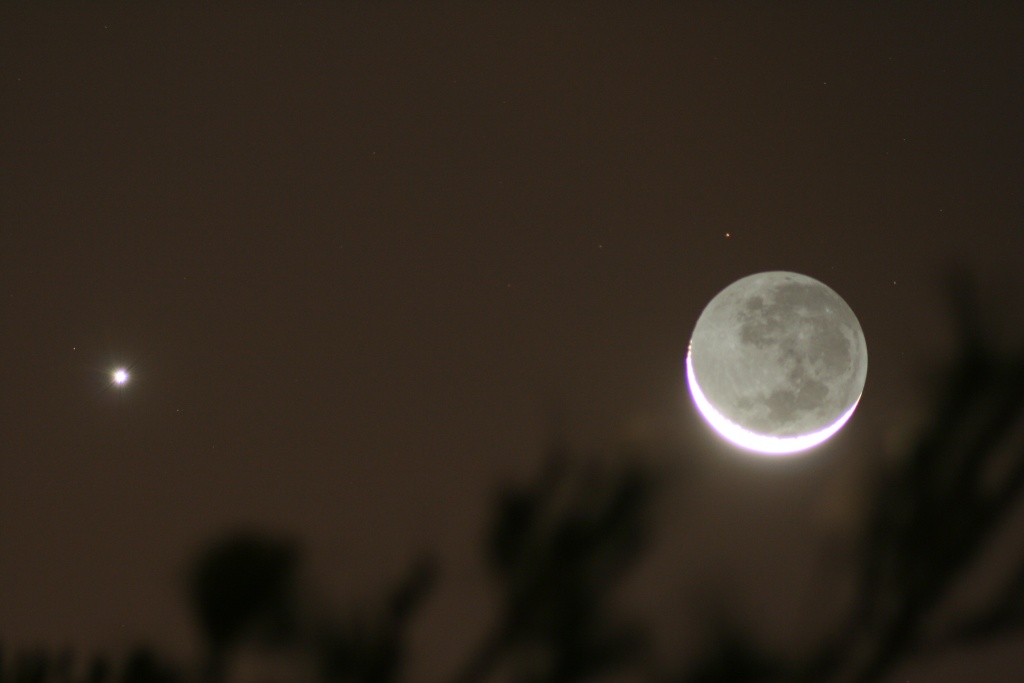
(560, 545)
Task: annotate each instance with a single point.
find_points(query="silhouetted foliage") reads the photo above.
(142, 665)
(931, 517)
(733, 658)
(99, 670)
(145, 665)
(244, 588)
(374, 651)
(558, 548)
(32, 667)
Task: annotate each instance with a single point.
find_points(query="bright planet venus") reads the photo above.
(777, 363)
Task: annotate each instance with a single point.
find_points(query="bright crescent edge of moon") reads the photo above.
(761, 443)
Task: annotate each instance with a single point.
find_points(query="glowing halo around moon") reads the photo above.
(777, 363)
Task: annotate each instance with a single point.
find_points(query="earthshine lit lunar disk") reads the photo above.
(777, 363)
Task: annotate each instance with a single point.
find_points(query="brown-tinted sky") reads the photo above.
(355, 255)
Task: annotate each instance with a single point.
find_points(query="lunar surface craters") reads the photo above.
(779, 354)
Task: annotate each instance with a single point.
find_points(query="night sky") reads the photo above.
(360, 261)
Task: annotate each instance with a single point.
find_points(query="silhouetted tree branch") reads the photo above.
(243, 587)
(558, 548)
(932, 517)
(373, 651)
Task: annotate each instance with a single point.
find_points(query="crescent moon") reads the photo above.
(761, 443)
(777, 363)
